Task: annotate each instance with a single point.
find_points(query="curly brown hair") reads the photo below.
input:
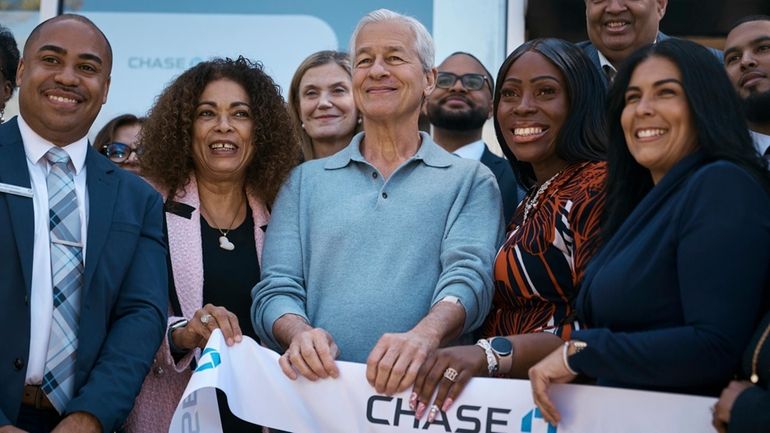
(167, 134)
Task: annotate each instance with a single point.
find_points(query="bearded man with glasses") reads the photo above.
(458, 108)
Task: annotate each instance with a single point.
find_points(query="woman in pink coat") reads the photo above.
(218, 144)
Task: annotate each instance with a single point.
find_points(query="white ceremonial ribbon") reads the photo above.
(258, 392)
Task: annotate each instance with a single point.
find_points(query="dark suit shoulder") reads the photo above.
(506, 181)
(102, 166)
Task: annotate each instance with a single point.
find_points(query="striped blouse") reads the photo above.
(539, 267)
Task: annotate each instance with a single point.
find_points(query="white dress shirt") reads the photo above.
(761, 141)
(472, 150)
(35, 147)
(604, 62)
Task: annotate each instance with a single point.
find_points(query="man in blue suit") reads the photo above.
(617, 28)
(82, 255)
(458, 108)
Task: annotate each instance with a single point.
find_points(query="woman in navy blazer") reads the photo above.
(674, 294)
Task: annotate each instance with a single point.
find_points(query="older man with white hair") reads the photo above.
(382, 252)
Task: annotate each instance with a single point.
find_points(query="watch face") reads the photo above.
(501, 345)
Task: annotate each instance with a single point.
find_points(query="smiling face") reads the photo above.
(458, 108)
(326, 105)
(63, 80)
(657, 121)
(223, 132)
(532, 109)
(389, 82)
(619, 27)
(747, 58)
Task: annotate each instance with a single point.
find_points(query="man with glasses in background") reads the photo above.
(458, 108)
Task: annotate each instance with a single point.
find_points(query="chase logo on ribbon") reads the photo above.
(215, 360)
(526, 422)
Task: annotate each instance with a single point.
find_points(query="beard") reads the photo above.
(756, 107)
(458, 120)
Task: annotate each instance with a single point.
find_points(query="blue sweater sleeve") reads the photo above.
(473, 232)
(281, 289)
(722, 252)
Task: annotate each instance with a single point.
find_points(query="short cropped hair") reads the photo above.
(423, 41)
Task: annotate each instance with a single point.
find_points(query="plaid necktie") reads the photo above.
(67, 279)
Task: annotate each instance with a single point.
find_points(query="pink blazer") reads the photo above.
(164, 385)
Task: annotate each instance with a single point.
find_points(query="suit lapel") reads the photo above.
(13, 171)
(488, 159)
(102, 189)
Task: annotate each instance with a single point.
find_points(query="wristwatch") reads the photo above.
(173, 327)
(503, 348)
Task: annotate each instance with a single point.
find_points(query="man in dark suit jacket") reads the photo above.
(617, 28)
(64, 77)
(458, 108)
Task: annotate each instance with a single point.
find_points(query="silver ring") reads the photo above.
(450, 374)
(206, 318)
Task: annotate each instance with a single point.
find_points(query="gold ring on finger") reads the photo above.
(450, 374)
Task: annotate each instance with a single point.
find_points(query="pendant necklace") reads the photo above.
(755, 358)
(533, 201)
(224, 242)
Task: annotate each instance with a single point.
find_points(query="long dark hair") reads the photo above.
(583, 135)
(720, 127)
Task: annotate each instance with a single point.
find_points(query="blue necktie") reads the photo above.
(67, 279)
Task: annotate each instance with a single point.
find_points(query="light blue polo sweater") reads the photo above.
(360, 256)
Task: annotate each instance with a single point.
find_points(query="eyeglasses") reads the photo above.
(120, 152)
(445, 80)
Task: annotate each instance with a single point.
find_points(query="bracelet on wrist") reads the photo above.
(170, 335)
(578, 346)
(492, 365)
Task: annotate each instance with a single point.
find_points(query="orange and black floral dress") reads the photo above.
(539, 267)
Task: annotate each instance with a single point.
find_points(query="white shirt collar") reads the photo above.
(604, 61)
(36, 146)
(761, 141)
(472, 150)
